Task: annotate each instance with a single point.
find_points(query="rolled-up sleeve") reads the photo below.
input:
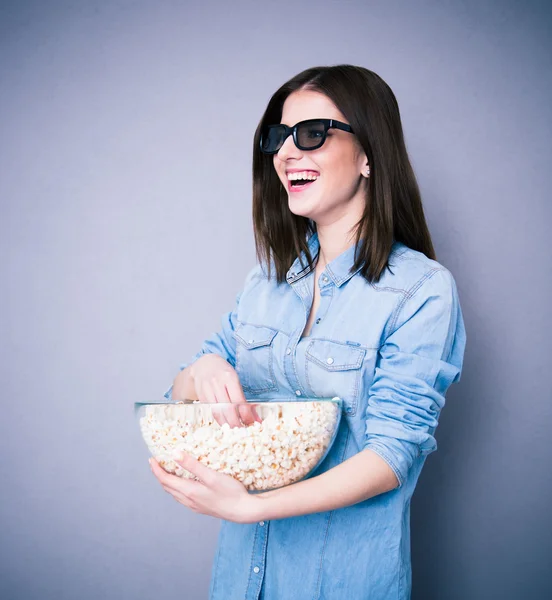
(223, 341)
(416, 364)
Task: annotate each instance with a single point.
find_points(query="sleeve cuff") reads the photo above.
(387, 456)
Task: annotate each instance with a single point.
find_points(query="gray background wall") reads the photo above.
(125, 232)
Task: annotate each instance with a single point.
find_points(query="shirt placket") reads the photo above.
(258, 561)
(300, 285)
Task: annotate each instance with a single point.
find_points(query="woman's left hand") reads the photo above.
(216, 494)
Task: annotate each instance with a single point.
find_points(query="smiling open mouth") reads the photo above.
(301, 181)
(300, 185)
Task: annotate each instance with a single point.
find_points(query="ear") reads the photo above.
(364, 166)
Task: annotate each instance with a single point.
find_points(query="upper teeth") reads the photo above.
(302, 175)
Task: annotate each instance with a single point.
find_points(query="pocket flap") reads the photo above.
(254, 336)
(335, 356)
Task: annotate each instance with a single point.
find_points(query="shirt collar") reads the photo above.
(297, 270)
(338, 270)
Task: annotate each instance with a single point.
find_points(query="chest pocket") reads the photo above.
(254, 358)
(335, 369)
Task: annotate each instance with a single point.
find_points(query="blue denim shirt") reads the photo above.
(396, 346)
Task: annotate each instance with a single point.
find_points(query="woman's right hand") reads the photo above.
(215, 381)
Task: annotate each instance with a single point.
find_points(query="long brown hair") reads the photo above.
(393, 209)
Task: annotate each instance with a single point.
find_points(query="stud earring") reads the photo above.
(367, 170)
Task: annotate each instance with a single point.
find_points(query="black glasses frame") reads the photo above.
(327, 123)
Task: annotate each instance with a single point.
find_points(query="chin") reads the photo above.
(301, 209)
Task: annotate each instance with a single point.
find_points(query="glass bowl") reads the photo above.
(265, 444)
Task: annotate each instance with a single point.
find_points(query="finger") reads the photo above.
(180, 497)
(185, 489)
(247, 413)
(172, 484)
(168, 480)
(211, 397)
(165, 479)
(234, 388)
(230, 412)
(199, 388)
(205, 474)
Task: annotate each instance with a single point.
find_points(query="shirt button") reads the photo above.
(330, 360)
(261, 523)
(288, 351)
(256, 570)
(318, 321)
(298, 392)
(325, 279)
(251, 341)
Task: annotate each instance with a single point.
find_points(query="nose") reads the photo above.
(289, 149)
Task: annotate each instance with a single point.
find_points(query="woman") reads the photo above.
(348, 301)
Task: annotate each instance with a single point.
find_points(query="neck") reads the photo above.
(333, 242)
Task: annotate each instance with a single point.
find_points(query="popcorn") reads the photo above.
(284, 448)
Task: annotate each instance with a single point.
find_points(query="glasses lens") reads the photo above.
(311, 135)
(273, 138)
